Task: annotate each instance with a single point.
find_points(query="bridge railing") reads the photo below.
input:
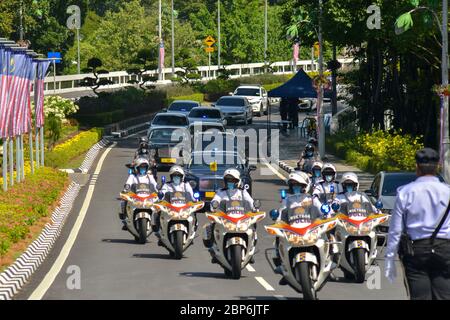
(70, 83)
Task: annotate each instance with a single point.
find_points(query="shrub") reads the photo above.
(377, 151)
(72, 148)
(25, 203)
(194, 97)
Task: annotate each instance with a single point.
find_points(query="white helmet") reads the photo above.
(176, 169)
(139, 162)
(317, 164)
(300, 178)
(328, 167)
(350, 178)
(232, 173)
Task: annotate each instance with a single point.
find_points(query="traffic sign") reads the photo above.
(209, 41)
(209, 50)
(55, 55)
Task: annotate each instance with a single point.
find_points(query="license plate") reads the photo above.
(168, 160)
(210, 194)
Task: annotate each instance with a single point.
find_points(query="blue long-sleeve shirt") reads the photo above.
(422, 204)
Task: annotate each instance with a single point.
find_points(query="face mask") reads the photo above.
(349, 189)
(309, 154)
(329, 178)
(297, 190)
(316, 173)
(231, 186)
(142, 171)
(177, 180)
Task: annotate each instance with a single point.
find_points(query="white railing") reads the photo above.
(68, 84)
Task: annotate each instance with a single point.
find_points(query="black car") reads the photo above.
(207, 182)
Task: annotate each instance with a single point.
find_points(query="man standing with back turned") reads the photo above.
(420, 229)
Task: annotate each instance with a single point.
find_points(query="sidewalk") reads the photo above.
(292, 146)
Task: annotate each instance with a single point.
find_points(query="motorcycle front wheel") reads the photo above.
(359, 264)
(143, 232)
(236, 261)
(303, 275)
(178, 244)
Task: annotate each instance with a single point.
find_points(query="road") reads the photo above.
(113, 266)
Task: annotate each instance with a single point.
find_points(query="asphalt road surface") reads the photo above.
(112, 266)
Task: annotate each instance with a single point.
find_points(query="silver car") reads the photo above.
(235, 109)
(183, 106)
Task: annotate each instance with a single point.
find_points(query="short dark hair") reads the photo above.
(428, 168)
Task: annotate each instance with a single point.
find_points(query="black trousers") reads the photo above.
(426, 278)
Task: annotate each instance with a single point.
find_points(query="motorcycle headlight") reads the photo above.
(308, 239)
(230, 226)
(352, 229)
(366, 227)
(243, 225)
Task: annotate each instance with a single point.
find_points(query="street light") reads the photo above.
(320, 110)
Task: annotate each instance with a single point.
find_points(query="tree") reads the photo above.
(146, 61)
(95, 83)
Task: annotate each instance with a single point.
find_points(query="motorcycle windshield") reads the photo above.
(300, 210)
(235, 207)
(356, 209)
(178, 198)
(144, 189)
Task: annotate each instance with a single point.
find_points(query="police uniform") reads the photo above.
(419, 208)
(347, 199)
(299, 209)
(322, 193)
(139, 185)
(236, 194)
(183, 187)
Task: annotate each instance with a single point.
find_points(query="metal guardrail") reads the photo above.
(70, 83)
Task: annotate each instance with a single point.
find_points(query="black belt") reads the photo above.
(428, 241)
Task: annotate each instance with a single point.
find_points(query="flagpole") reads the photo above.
(36, 138)
(11, 160)
(17, 159)
(42, 146)
(5, 164)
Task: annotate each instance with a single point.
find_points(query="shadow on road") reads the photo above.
(153, 256)
(126, 241)
(205, 275)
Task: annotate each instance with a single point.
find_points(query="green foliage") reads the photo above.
(78, 145)
(377, 151)
(403, 23)
(193, 97)
(24, 204)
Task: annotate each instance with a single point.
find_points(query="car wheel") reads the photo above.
(260, 111)
(246, 120)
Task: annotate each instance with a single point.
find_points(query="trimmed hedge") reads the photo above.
(198, 97)
(26, 203)
(72, 148)
(376, 151)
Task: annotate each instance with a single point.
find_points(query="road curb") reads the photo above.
(283, 165)
(16, 276)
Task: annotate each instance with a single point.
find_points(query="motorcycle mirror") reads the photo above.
(160, 195)
(128, 165)
(257, 204)
(214, 204)
(163, 179)
(325, 209)
(379, 205)
(283, 194)
(274, 214)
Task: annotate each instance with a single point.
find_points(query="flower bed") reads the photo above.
(24, 207)
(72, 148)
(377, 151)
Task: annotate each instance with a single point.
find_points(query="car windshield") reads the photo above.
(166, 135)
(170, 120)
(183, 106)
(247, 92)
(391, 183)
(224, 161)
(204, 127)
(230, 102)
(205, 113)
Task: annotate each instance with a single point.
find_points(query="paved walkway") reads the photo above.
(291, 146)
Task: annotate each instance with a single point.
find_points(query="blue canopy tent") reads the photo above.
(300, 86)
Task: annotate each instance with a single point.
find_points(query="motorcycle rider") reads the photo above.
(232, 191)
(175, 184)
(327, 190)
(299, 185)
(139, 181)
(350, 186)
(316, 173)
(308, 156)
(144, 152)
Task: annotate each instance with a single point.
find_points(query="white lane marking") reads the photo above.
(50, 277)
(264, 283)
(280, 297)
(250, 268)
(275, 171)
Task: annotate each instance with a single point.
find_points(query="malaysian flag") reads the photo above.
(296, 52)
(42, 68)
(26, 106)
(161, 55)
(18, 115)
(4, 58)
